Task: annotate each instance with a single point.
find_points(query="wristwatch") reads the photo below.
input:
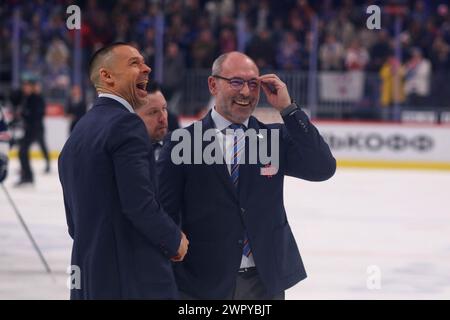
(291, 109)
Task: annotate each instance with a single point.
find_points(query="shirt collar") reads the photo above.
(220, 122)
(121, 100)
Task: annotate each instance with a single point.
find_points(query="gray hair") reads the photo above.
(217, 64)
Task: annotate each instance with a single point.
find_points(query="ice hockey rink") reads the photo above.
(364, 234)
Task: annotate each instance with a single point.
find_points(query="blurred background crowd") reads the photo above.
(406, 63)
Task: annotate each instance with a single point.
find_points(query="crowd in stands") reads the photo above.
(276, 34)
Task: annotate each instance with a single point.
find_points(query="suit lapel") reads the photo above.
(220, 169)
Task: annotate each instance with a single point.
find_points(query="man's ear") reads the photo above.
(212, 85)
(105, 76)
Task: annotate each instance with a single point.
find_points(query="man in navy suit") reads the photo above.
(123, 240)
(155, 116)
(241, 245)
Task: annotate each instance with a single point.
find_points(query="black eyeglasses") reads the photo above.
(238, 83)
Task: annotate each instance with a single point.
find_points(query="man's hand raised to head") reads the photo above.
(276, 91)
(182, 250)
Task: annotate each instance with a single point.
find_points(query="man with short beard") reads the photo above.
(155, 115)
(241, 245)
(123, 241)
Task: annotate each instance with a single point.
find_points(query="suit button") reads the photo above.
(242, 210)
(241, 241)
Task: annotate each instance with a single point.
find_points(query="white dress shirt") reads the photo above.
(121, 100)
(157, 146)
(227, 137)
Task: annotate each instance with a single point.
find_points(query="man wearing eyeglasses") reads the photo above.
(241, 245)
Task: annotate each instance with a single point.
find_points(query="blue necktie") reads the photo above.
(238, 147)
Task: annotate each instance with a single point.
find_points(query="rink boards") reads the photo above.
(354, 144)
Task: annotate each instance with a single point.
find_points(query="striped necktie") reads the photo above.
(238, 147)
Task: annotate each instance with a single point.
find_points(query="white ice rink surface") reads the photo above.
(398, 221)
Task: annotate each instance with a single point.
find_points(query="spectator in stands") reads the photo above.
(57, 61)
(420, 12)
(148, 47)
(303, 10)
(380, 51)
(173, 76)
(261, 50)
(289, 52)
(297, 26)
(203, 49)
(55, 26)
(230, 23)
(277, 31)
(122, 28)
(342, 28)
(225, 8)
(101, 29)
(392, 87)
(244, 21)
(440, 58)
(356, 57)
(367, 38)
(191, 12)
(176, 29)
(227, 40)
(331, 54)
(57, 54)
(263, 15)
(146, 22)
(420, 35)
(417, 79)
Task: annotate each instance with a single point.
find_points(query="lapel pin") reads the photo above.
(268, 170)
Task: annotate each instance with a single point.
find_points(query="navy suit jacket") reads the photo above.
(213, 214)
(122, 238)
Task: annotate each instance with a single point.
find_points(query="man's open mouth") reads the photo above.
(142, 85)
